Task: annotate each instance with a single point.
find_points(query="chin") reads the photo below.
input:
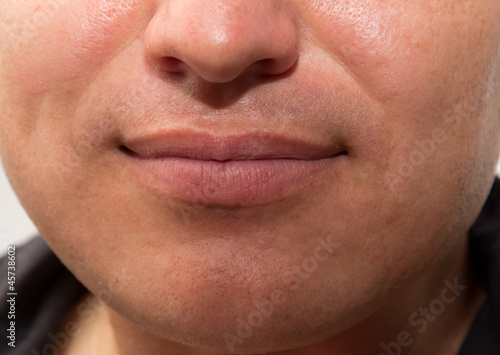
(249, 329)
(245, 313)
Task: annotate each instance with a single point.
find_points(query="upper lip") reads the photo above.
(227, 147)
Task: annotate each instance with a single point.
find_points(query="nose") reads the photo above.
(220, 40)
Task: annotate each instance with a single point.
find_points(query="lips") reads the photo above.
(231, 170)
(249, 146)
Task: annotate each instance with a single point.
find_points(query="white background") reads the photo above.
(15, 225)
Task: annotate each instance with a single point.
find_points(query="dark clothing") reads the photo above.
(46, 291)
(484, 335)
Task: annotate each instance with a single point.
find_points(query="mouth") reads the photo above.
(229, 170)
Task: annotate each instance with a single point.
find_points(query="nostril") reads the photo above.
(172, 61)
(274, 67)
(266, 63)
(170, 64)
(220, 43)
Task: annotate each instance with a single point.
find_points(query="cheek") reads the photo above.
(55, 48)
(407, 58)
(69, 42)
(398, 52)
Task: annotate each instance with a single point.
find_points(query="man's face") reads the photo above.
(194, 160)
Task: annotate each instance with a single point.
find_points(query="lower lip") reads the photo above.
(235, 183)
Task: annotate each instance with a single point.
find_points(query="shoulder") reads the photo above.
(41, 294)
(484, 336)
(485, 242)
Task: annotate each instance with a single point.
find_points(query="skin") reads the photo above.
(385, 77)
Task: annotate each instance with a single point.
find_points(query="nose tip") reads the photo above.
(223, 39)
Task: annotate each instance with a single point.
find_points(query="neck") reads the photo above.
(434, 311)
